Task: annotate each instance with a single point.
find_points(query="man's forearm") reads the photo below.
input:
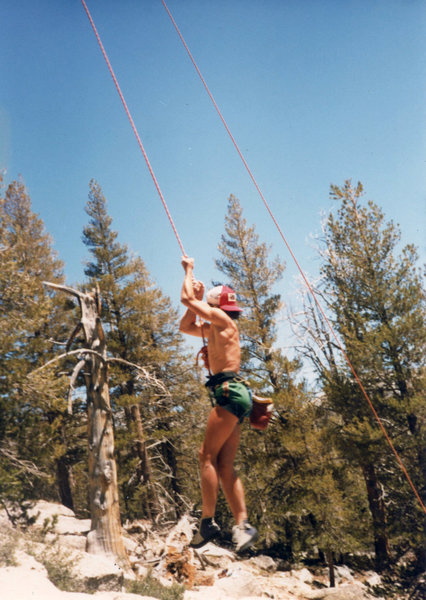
(187, 288)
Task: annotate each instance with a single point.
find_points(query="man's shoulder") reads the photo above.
(221, 319)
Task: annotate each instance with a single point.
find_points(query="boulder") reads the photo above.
(240, 583)
(72, 542)
(211, 573)
(28, 563)
(18, 583)
(28, 583)
(343, 573)
(213, 594)
(42, 510)
(348, 591)
(100, 572)
(117, 596)
(65, 520)
(71, 526)
(263, 563)
(278, 583)
(215, 556)
(303, 575)
(372, 579)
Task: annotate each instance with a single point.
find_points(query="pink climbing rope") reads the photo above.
(135, 131)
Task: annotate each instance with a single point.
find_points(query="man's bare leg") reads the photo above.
(243, 534)
(217, 460)
(220, 426)
(231, 484)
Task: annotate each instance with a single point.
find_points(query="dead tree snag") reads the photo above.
(105, 533)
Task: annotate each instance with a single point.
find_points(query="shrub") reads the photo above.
(8, 546)
(151, 587)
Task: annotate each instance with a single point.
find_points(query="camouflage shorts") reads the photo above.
(235, 397)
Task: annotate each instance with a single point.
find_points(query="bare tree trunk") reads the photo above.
(63, 473)
(105, 533)
(145, 471)
(377, 509)
(330, 564)
(170, 456)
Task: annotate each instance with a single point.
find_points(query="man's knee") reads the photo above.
(225, 468)
(205, 456)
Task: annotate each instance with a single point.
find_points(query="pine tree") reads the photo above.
(246, 264)
(34, 438)
(375, 299)
(142, 330)
(296, 483)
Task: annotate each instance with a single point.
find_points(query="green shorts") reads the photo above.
(235, 397)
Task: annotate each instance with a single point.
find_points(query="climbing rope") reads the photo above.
(307, 283)
(135, 131)
(305, 279)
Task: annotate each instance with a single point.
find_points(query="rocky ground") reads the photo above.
(49, 558)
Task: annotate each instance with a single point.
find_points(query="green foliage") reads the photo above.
(58, 562)
(9, 543)
(49, 525)
(245, 263)
(60, 572)
(31, 407)
(294, 479)
(152, 417)
(313, 478)
(153, 588)
(377, 306)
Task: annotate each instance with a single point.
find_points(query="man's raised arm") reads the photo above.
(188, 323)
(187, 296)
(191, 297)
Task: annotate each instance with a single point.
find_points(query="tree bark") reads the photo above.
(105, 531)
(105, 536)
(378, 513)
(171, 459)
(330, 564)
(144, 469)
(63, 473)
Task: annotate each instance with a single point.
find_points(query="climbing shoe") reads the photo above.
(243, 536)
(208, 531)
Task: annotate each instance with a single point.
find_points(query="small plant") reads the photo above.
(49, 525)
(59, 566)
(8, 546)
(60, 572)
(39, 534)
(151, 587)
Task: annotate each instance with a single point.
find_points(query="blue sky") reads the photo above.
(314, 92)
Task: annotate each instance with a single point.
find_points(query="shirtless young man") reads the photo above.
(233, 403)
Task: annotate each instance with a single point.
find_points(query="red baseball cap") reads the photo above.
(224, 297)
